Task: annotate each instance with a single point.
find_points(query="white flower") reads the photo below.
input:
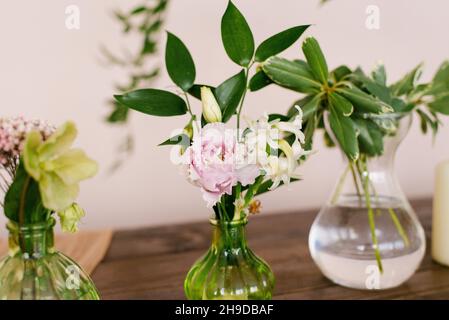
(270, 150)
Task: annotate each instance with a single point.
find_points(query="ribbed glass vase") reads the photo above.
(229, 270)
(34, 270)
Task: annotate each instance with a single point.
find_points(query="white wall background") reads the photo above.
(50, 72)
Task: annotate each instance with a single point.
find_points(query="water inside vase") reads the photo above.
(341, 242)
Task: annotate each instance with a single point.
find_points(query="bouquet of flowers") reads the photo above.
(41, 171)
(40, 175)
(230, 165)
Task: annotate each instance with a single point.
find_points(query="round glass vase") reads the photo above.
(229, 270)
(367, 236)
(34, 270)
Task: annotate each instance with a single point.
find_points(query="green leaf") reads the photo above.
(400, 106)
(291, 75)
(180, 139)
(259, 80)
(370, 137)
(440, 104)
(380, 75)
(265, 186)
(407, 83)
(345, 132)
(363, 102)
(341, 73)
(236, 35)
(229, 94)
(138, 10)
(179, 62)
(278, 116)
(153, 102)
(315, 59)
(309, 130)
(279, 42)
(195, 90)
(380, 91)
(341, 104)
(24, 192)
(119, 114)
(328, 142)
(440, 82)
(424, 118)
(309, 106)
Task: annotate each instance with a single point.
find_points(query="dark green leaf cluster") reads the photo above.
(238, 42)
(353, 104)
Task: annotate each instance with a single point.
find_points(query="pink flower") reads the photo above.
(216, 162)
(13, 132)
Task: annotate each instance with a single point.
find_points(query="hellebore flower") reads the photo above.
(56, 167)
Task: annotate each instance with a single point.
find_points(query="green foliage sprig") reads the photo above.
(146, 21)
(238, 42)
(355, 101)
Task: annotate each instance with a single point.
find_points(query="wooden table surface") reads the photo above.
(151, 263)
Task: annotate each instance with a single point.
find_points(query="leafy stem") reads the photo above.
(372, 223)
(23, 200)
(247, 69)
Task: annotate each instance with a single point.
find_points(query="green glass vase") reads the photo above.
(34, 270)
(229, 270)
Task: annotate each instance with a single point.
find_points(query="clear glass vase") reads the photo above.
(367, 236)
(229, 270)
(34, 270)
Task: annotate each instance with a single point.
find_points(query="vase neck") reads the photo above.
(229, 235)
(32, 240)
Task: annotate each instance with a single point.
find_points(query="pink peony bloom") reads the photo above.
(216, 162)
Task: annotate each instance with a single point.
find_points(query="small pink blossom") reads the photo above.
(216, 162)
(13, 132)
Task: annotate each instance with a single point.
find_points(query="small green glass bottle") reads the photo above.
(229, 270)
(34, 270)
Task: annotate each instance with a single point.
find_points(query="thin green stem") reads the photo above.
(238, 191)
(393, 215)
(189, 109)
(356, 183)
(399, 227)
(372, 224)
(340, 184)
(371, 219)
(22, 201)
(239, 110)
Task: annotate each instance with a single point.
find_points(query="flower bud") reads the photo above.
(211, 109)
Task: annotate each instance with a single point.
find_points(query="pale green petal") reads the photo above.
(70, 217)
(288, 151)
(30, 154)
(56, 195)
(72, 166)
(58, 142)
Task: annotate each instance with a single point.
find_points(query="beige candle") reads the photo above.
(440, 221)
